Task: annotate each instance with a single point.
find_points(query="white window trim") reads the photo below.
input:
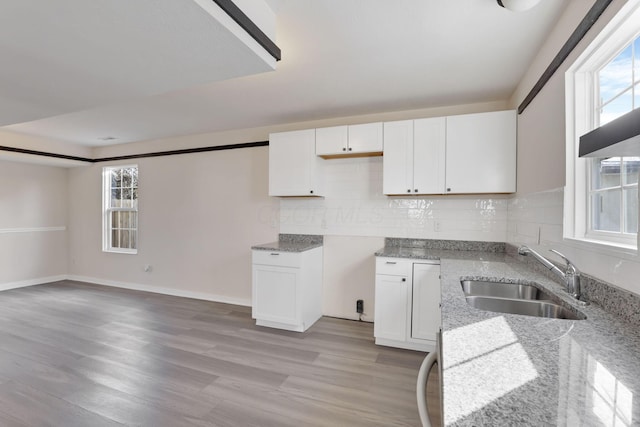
(579, 91)
(106, 218)
(618, 238)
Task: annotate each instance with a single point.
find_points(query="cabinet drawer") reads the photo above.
(393, 266)
(281, 259)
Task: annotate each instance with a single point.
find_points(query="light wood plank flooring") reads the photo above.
(75, 354)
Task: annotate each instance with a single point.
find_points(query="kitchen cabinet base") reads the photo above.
(426, 346)
(287, 288)
(286, 326)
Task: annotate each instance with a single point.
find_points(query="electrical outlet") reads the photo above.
(437, 226)
(360, 306)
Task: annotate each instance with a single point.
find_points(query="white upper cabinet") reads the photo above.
(473, 153)
(429, 155)
(413, 161)
(294, 168)
(466, 154)
(352, 140)
(332, 141)
(397, 162)
(481, 153)
(366, 138)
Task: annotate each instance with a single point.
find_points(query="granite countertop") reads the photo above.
(506, 369)
(292, 243)
(434, 254)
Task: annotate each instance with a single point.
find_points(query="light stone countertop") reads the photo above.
(513, 370)
(292, 243)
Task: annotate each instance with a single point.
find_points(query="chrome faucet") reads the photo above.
(571, 277)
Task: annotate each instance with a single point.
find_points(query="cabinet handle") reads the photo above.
(391, 262)
(409, 191)
(275, 253)
(448, 189)
(350, 148)
(416, 190)
(311, 191)
(344, 149)
(404, 279)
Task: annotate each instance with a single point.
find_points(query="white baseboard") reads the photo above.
(163, 291)
(428, 346)
(31, 282)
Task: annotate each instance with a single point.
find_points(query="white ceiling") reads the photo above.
(339, 58)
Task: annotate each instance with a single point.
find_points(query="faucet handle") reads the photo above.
(523, 250)
(570, 267)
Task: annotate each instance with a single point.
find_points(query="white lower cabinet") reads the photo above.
(425, 308)
(287, 288)
(407, 303)
(391, 307)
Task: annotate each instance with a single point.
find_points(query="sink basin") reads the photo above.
(523, 306)
(514, 298)
(503, 290)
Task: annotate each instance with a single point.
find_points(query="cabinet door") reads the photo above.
(481, 153)
(429, 155)
(397, 161)
(391, 308)
(425, 315)
(331, 141)
(366, 138)
(275, 294)
(293, 165)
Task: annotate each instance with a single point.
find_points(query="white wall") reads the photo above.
(199, 215)
(541, 160)
(349, 275)
(33, 224)
(541, 127)
(47, 145)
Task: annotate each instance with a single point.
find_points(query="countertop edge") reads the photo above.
(286, 247)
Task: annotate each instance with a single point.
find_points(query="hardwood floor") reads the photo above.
(75, 354)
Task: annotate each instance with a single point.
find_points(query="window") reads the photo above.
(613, 189)
(120, 209)
(613, 197)
(601, 197)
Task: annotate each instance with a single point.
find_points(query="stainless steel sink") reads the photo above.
(515, 298)
(525, 307)
(503, 290)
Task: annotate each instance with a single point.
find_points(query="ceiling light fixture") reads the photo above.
(517, 5)
(107, 138)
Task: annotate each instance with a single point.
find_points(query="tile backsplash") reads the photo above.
(355, 206)
(536, 218)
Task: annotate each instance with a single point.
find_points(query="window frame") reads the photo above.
(107, 210)
(617, 237)
(581, 96)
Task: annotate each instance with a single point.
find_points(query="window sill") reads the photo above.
(121, 251)
(607, 248)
